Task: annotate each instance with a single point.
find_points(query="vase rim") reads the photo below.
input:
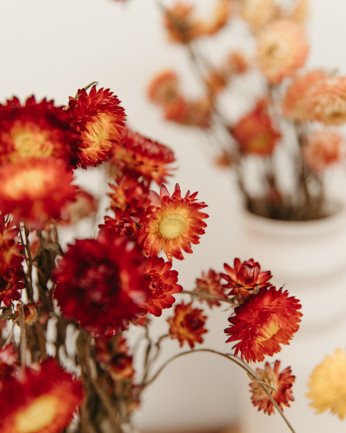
(335, 218)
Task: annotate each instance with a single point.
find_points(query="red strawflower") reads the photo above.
(210, 284)
(35, 190)
(113, 354)
(36, 130)
(101, 121)
(10, 248)
(245, 277)
(187, 324)
(140, 156)
(263, 323)
(164, 87)
(129, 195)
(255, 132)
(39, 401)
(161, 283)
(171, 223)
(122, 224)
(282, 382)
(100, 282)
(11, 282)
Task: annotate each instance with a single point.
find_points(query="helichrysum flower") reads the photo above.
(100, 282)
(187, 324)
(258, 13)
(255, 132)
(281, 381)
(327, 385)
(316, 96)
(39, 401)
(210, 283)
(245, 277)
(31, 192)
(263, 323)
(100, 120)
(140, 156)
(161, 282)
(172, 223)
(164, 87)
(282, 48)
(36, 130)
(322, 149)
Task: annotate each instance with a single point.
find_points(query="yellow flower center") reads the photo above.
(172, 226)
(29, 143)
(97, 134)
(31, 180)
(38, 415)
(268, 332)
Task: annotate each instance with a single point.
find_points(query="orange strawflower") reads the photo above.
(294, 104)
(101, 121)
(245, 277)
(220, 16)
(39, 401)
(129, 195)
(171, 223)
(181, 24)
(140, 156)
(177, 110)
(30, 190)
(282, 382)
(187, 324)
(164, 87)
(161, 282)
(282, 48)
(263, 323)
(258, 13)
(36, 130)
(255, 132)
(317, 96)
(210, 283)
(322, 149)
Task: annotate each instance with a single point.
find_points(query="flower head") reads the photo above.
(36, 130)
(210, 284)
(317, 96)
(101, 121)
(187, 324)
(164, 87)
(100, 282)
(263, 323)
(255, 132)
(327, 385)
(129, 195)
(181, 24)
(282, 383)
(31, 193)
(140, 156)
(10, 249)
(171, 223)
(245, 277)
(39, 401)
(323, 148)
(282, 48)
(11, 282)
(258, 13)
(161, 282)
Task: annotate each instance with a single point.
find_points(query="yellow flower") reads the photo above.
(328, 384)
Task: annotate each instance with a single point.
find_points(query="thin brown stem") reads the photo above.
(22, 336)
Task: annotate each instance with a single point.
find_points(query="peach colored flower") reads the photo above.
(258, 13)
(282, 48)
(164, 87)
(210, 283)
(322, 149)
(327, 385)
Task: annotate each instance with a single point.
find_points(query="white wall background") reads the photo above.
(50, 48)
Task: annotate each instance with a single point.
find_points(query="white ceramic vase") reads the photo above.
(309, 258)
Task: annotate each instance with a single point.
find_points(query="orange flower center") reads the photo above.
(31, 180)
(33, 142)
(37, 415)
(172, 226)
